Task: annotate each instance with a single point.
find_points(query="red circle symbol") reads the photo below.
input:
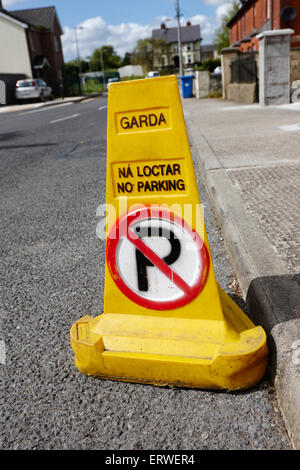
(124, 267)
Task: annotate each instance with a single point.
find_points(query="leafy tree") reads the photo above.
(110, 59)
(210, 64)
(221, 38)
(127, 59)
(149, 50)
(74, 64)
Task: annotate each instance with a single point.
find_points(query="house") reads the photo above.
(44, 43)
(208, 51)
(256, 16)
(131, 71)
(14, 57)
(190, 39)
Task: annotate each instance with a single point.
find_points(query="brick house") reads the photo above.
(190, 39)
(256, 16)
(44, 44)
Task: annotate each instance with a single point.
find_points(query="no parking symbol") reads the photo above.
(156, 260)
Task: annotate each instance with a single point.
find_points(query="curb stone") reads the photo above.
(75, 99)
(271, 292)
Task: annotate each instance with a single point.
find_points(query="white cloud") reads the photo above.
(216, 2)
(97, 33)
(222, 10)
(207, 27)
(8, 3)
(122, 37)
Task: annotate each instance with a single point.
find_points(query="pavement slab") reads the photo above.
(251, 167)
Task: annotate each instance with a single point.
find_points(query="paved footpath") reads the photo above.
(250, 162)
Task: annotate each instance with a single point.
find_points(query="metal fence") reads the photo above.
(244, 69)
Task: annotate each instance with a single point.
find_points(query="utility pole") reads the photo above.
(178, 15)
(102, 66)
(78, 57)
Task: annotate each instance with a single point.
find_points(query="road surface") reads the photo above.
(52, 179)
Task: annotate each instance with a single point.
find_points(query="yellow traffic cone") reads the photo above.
(166, 321)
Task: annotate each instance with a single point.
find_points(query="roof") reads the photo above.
(188, 34)
(38, 17)
(6, 15)
(208, 48)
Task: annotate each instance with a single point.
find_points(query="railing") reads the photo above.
(244, 69)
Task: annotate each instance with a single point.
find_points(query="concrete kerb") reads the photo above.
(266, 284)
(73, 99)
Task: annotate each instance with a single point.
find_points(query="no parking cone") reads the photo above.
(165, 320)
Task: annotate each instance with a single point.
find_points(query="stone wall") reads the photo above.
(240, 92)
(205, 83)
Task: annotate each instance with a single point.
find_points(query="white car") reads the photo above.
(33, 89)
(112, 80)
(152, 74)
(218, 70)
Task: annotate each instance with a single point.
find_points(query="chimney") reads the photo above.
(188, 23)
(162, 26)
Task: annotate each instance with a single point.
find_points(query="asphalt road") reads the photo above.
(52, 179)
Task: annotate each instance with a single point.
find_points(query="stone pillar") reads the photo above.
(201, 81)
(274, 66)
(227, 56)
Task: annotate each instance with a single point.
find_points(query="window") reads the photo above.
(175, 47)
(56, 44)
(31, 41)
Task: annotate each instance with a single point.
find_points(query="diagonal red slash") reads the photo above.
(159, 262)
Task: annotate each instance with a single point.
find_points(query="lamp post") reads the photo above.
(102, 67)
(178, 15)
(88, 57)
(78, 56)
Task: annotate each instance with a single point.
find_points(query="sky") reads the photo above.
(121, 23)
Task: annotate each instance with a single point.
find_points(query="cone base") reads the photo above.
(165, 351)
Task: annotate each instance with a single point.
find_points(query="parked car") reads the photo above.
(33, 89)
(217, 71)
(112, 80)
(152, 74)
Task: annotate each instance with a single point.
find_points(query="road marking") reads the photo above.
(64, 118)
(46, 108)
(102, 107)
(290, 128)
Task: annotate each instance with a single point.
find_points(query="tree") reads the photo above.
(110, 59)
(127, 59)
(221, 38)
(148, 50)
(73, 64)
